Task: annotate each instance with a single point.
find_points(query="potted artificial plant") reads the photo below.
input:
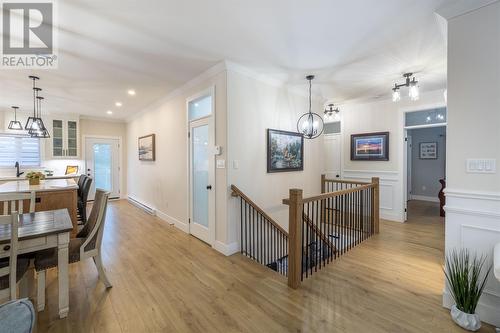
(466, 283)
(34, 177)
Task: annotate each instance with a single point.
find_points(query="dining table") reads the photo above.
(40, 231)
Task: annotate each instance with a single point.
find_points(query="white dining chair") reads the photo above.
(87, 244)
(15, 202)
(12, 268)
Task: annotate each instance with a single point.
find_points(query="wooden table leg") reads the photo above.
(63, 275)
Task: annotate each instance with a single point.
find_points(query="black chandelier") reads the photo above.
(411, 83)
(34, 125)
(15, 124)
(332, 112)
(310, 124)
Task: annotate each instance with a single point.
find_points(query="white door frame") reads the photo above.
(341, 157)
(120, 158)
(402, 147)
(212, 178)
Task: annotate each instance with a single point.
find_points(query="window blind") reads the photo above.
(24, 150)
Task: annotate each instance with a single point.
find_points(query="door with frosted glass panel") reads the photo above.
(201, 171)
(102, 164)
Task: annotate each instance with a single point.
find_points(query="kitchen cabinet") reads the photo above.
(64, 141)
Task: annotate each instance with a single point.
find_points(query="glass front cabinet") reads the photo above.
(64, 141)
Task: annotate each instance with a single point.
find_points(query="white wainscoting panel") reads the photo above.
(391, 200)
(473, 222)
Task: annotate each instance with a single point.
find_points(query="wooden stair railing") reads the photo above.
(261, 238)
(349, 216)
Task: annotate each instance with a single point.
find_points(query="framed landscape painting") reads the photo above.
(147, 148)
(285, 151)
(370, 147)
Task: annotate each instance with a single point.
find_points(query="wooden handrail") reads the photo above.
(318, 232)
(236, 192)
(332, 194)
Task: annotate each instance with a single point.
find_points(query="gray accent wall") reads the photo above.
(425, 174)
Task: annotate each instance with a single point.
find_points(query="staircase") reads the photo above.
(321, 228)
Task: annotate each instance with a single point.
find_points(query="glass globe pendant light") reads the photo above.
(15, 124)
(310, 124)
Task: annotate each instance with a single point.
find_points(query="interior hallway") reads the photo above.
(167, 281)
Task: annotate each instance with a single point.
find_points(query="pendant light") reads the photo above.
(331, 113)
(31, 120)
(310, 124)
(39, 131)
(15, 124)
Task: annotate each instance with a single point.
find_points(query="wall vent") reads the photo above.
(144, 207)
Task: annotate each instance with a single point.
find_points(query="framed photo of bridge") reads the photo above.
(285, 151)
(370, 146)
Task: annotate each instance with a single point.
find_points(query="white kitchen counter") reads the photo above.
(22, 177)
(45, 186)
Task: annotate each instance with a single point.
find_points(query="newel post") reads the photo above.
(376, 204)
(323, 183)
(295, 238)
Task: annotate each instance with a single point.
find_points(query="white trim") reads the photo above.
(109, 120)
(389, 176)
(467, 194)
(459, 8)
(488, 313)
(173, 221)
(471, 212)
(209, 73)
(423, 198)
(226, 249)
(426, 126)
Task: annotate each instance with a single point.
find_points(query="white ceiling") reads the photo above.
(357, 48)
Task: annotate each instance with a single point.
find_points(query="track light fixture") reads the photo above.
(331, 112)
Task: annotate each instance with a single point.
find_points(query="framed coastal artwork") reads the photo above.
(428, 150)
(147, 148)
(285, 151)
(370, 146)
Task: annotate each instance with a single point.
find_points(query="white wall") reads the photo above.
(162, 184)
(473, 200)
(426, 173)
(253, 107)
(383, 116)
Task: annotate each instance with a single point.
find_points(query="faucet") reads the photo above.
(17, 170)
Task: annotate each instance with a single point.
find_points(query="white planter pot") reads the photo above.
(467, 321)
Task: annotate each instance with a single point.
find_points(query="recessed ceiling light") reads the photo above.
(109, 112)
(118, 104)
(131, 92)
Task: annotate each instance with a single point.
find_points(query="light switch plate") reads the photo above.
(236, 164)
(481, 165)
(221, 164)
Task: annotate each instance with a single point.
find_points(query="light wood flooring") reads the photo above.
(167, 281)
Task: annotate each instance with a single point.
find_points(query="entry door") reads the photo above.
(332, 156)
(202, 177)
(102, 158)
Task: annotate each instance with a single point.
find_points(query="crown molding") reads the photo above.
(109, 120)
(462, 7)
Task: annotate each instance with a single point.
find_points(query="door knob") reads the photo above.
(209, 187)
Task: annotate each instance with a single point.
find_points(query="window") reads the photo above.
(200, 107)
(426, 117)
(24, 150)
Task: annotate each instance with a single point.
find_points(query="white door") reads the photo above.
(333, 155)
(202, 179)
(102, 162)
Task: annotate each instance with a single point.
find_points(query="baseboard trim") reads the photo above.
(424, 198)
(394, 217)
(226, 249)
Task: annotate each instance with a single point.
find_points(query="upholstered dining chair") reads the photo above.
(12, 269)
(82, 200)
(87, 244)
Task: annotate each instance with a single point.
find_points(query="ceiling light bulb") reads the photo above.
(118, 104)
(413, 92)
(396, 95)
(131, 92)
(109, 112)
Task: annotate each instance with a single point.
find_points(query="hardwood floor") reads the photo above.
(167, 281)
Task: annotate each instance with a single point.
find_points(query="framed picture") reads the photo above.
(370, 147)
(147, 148)
(285, 151)
(428, 150)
